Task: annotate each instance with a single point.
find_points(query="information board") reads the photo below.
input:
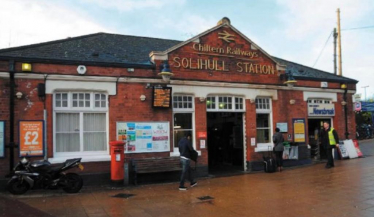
(283, 127)
(2, 138)
(143, 137)
(161, 97)
(31, 138)
(299, 129)
(342, 150)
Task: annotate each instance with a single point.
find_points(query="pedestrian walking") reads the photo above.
(185, 150)
(278, 148)
(329, 139)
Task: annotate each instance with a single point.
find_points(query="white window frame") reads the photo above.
(175, 151)
(261, 147)
(88, 155)
(233, 104)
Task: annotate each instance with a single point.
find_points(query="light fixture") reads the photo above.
(142, 97)
(166, 72)
(19, 95)
(290, 79)
(26, 67)
(202, 99)
(252, 100)
(292, 101)
(344, 103)
(343, 86)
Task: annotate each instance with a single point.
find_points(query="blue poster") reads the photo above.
(2, 138)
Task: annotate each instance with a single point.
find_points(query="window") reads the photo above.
(182, 102)
(320, 101)
(183, 108)
(225, 103)
(263, 128)
(80, 123)
(263, 121)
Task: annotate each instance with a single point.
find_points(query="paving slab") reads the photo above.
(345, 190)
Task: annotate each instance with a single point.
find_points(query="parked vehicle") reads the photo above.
(41, 174)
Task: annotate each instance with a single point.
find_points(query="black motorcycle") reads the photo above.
(41, 174)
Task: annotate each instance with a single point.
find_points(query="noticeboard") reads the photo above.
(2, 139)
(144, 137)
(161, 97)
(298, 129)
(31, 138)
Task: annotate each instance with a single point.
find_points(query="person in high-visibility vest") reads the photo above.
(329, 139)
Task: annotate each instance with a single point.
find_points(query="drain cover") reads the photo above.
(203, 198)
(123, 195)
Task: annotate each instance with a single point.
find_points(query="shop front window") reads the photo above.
(80, 123)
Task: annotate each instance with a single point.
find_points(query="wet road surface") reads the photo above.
(345, 190)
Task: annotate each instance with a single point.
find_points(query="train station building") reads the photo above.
(220, 86)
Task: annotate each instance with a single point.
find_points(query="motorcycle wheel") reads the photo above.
(72, 183)
(18, 186)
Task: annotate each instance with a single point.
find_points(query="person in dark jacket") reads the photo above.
(278, 148)
(185, 149)
(329, 140)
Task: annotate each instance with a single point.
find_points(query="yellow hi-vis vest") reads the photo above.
(331, 137)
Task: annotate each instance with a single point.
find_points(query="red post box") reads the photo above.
(117, 149)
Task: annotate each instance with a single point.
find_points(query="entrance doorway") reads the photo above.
(225, 142)
(315, 126)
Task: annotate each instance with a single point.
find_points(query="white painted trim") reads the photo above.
(172, 82)
(204, 91)
(91, 158)
(320, 95)
(108, 87)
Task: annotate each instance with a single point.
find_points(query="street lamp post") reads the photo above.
(365, 90)
(344, 103)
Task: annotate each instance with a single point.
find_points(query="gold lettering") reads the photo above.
(176, 60)
(191, 67)
(223, 67)
(209, 66)
(203, 64)
(185, 63)
(246, 67)
(239, 65)
(251, 69)
(194, 46)
(263, 69)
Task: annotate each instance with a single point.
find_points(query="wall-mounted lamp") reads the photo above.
(142, 97)
(19, 95)
(166, 72)
(344, 103)
(252, 100)
(26, 67)
(202, 99)
(292, 101)
(290, 79)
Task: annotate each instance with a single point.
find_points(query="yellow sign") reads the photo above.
(226, 36)
(299, 130)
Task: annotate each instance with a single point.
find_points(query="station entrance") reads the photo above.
(225, 142)
(315, 126)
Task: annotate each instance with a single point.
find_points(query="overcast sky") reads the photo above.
(292, 30)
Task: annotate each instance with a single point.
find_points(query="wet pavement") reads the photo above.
(345, 190)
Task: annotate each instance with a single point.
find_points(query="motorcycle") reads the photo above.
(41, 174)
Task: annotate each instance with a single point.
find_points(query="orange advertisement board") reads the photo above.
(31, 138)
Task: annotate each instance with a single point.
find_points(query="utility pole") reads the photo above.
(339, 45)
(365, 90)
(335, 36)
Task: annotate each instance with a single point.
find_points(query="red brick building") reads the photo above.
(225, 90)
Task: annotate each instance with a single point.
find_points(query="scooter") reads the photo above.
(41, 174)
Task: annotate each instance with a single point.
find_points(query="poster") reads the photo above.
(2, 138)
(31, 138)
(283, 127)
(141, 137)
(342, 150)
(299, 129)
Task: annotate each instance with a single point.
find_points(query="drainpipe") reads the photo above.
(12, 85)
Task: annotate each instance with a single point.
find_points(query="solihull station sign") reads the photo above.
(246, 61)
